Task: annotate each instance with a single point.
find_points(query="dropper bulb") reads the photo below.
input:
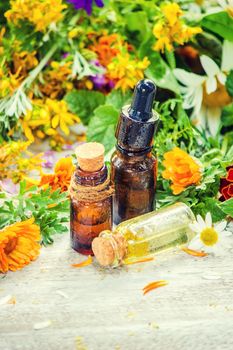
(142, 103)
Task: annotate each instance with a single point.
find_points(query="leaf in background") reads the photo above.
(212, 206)
(158, 70)
(137, 22)
(84, 102)
(229, 82)
(220, 23)
(227, 207)
(118, 99)
(102, 126)
(227, 115)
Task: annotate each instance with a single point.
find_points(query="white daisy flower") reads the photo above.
(195, 86)
(226, 5)
(210, 238)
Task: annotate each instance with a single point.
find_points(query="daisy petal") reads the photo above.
(208, 220)
(211, 85)
(213, 117)
(201, 222)
(188, 79)
(220, 227)
(222, 78)
(227, 62)
(195, 227)
(210, 67)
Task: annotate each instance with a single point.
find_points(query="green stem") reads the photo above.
(170, 59)
(34, 73)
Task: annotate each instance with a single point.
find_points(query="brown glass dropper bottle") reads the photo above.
(133, 167)
(91, 197)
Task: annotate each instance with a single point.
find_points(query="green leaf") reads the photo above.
(102, 126)
(137, 22)
(227, 207)
(84, 102)
(229, 82)
(220, 23)
(212, 206)
(158, 70)
(227, 115)
(118, 99)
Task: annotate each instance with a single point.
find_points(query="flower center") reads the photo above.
(10, 246)
(209, 236)
(218, 98)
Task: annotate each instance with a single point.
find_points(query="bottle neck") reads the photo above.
(136, 154)
(86, 178)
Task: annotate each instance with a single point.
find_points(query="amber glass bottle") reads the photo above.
(133, 167)
(91, 201)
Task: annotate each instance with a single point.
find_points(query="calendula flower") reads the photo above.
(210, 238)
(125, 71)
(86, 4)
(56, 79)
(181, 169)
(170, 29)
(61, 177)
(19, 245)
(41, 13)
(107, 47)
(226, 185)
(207, 94)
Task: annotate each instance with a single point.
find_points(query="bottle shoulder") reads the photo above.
(146, 161)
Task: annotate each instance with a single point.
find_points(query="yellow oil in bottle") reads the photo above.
(158, 231)
(145, 235)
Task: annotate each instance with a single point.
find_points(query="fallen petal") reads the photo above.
(42, 325)
(194, 252)
(5, 299)
(86, 262)
(154, 285)
(138, 261)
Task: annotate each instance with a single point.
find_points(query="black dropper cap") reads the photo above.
(138, 122)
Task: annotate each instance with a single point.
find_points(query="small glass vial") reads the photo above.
(133, 167)
(144, 236)
(91, 197)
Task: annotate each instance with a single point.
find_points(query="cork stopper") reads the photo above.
(109, 249)
(90, 156)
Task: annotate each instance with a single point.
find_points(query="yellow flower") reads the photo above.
(46, 117)
(125, 71)
(19, 245)
(16, 161)
(41, 13)
(181, 169)
(170, 28)
(9, 82)
(61, 117)
(56, 80)
(24, 61)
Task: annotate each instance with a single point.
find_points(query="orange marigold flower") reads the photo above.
(181, 169)
(107, 47)
(19, 245)
(61, 177)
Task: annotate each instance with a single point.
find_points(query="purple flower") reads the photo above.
(86, 4)
(8, 186)
(49, 159)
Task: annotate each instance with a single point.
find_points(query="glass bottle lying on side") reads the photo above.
(144, 236)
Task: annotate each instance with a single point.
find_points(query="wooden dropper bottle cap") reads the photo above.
(90, 156)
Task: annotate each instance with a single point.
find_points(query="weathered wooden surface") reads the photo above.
(107, 311)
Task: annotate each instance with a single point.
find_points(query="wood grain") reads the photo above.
(106, 310)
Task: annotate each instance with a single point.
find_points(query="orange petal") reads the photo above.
(193, 252)
(138, 261)
(154, 285)
(86, 262)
